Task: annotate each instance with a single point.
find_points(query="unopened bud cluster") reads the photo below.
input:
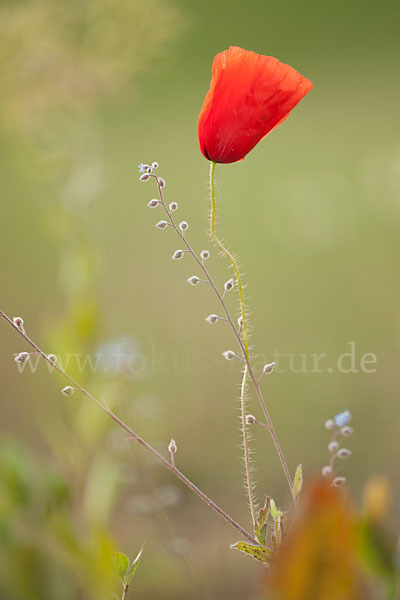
(339, 426)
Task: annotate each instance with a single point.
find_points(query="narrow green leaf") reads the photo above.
(298, 481)
(262, 554)
(134, 565)
(276, 514)
(121, 565)
(261, 528)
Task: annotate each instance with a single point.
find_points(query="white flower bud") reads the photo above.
(329, 424)
(161, 182)
(343, 453)
(153, 203)
(333, 446)
(269, 368)
(212, 319)
(347, 430)
(162, 224)
(229, 354)
(155, 165)
(204, 254)
(144, 177)
(52, 357)
(18, 322)
(172, 448)
(22, 357)
(326, 471)
(339, 481)
(178, 254)
(193, 280)
(228, 285)
(183, 226)
(250, 419)
(173, 206)
(240, 321)
(68, 390)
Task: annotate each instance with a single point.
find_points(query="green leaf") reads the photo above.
(261, 528)
(121, 565)
(134, 565)
(276, 514)
(262, 554)
(298, 481)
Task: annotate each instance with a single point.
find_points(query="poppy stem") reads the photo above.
(243, 389)
(102, 405)
(248, 368)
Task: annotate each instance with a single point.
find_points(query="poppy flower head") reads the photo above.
(250, 94)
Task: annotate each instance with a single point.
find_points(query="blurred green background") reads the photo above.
(89, 90)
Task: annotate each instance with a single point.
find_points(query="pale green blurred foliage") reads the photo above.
(60, 62)
(47, 551)
(69, 56)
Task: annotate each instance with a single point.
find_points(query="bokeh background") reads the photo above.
(89, 90)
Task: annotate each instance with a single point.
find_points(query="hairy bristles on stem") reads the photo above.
(74, 386)
(241, 334)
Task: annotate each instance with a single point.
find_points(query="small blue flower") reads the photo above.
(142, 168)
(343, 418)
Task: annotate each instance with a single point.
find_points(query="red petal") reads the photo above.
(249, 95)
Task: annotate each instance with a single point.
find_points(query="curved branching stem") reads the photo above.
(131, 433)
(237, 332)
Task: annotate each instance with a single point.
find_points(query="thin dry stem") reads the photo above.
(132, 434)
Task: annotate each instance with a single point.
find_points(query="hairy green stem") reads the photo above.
(246, 452)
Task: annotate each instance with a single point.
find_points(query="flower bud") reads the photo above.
(52, 357)
(18, 322)
(193, 280)
(228, 285)
(22, 357)
(250, 419)
(347, 430)
(183, 226)
(155, 165)
(172, 447)
(68, 390)
(343, 453)
(161, 182)
(269, 368)
(326, 471)
(229, 354)
(212, 319)
(178, 254)
(240, 321)
(173, 206)
(204, 254)
(153, 203)
(144, 177)
(333, 446)
(329, 424)
(162, 224)
(339, 481)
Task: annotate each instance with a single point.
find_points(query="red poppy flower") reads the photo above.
(249, 95)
